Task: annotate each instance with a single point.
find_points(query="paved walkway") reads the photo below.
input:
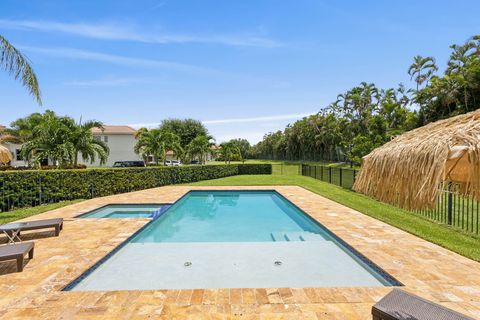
(426, 270)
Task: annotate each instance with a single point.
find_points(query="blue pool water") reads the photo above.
(232, 239)
(124, 211)
(225, 216)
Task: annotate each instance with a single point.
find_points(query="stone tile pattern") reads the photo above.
(426, 270)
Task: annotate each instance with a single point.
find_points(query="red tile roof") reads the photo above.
(114, 130)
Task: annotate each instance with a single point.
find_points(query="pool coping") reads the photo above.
(365, 262)
(81, 215)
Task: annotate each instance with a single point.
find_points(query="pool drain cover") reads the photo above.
(187, 264)
(278, 263)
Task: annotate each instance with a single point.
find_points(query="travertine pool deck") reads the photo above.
(425, 269)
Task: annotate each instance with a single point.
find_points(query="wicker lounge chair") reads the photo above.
(16, 227)
(400, 305)
(17, 252)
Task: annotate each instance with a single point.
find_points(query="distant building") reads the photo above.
(121, 142)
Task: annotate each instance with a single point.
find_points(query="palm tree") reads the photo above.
(85, 143)
(17, 65)
(199, 147)
(422, 69)
(460, 59)
(229, 151)
(156, 143)
(50, 139)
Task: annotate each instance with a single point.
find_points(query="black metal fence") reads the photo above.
(289, 169)
(342, 177)
(451, 208)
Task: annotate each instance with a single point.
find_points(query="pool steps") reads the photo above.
(296, 236)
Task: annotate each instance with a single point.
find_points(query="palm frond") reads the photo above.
(17, 65)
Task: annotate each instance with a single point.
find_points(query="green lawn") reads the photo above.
(297, 163)
(13, 215)
(465, 244)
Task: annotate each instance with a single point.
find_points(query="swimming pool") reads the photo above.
(124, 211)
(232, 239)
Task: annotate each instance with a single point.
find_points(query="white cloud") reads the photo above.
(236, 120)
(258, 119)
(114, 59)
(115, 31)
(73, 53)
(108, 82)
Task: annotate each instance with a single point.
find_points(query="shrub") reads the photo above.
(33, 187)
(49, 167)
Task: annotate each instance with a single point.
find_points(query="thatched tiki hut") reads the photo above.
(413, 168)
(5, 155)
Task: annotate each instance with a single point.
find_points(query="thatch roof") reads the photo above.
(5, 155)
(411, 169)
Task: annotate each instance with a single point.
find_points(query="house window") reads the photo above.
(105, 139)
(98, 138)
(18, 155)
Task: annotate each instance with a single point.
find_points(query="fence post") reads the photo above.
(3, 196)
(449, 204)
(40, 193)
(341, 170)
(315, 174)
(321, 173)
(329, 174)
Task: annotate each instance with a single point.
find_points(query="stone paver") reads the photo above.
(425, 269)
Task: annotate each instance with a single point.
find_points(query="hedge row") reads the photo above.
(30, 188)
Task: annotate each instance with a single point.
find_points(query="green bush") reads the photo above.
(33, 187)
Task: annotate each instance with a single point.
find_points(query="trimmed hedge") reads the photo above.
(33, 187)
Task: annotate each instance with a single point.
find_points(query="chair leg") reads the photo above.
(20, 264)
(30, 254)
(57, 231)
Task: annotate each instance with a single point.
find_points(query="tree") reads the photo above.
(17, 65)
(199, 147)
(60, 139)
(229, 151)
(23, 128)
(422, 69)
(185, 129)
(366, 117)
(243, 146)
(85, 143)
(50, 139)
(155, 143)
(460, 60)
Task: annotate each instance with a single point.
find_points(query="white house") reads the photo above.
(121, 142)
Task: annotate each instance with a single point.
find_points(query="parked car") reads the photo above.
(173, 163)
(128, 164)
(195, 162)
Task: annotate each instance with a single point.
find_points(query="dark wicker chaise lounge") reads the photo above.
(17, 252)
(401, 305)
(56, 223)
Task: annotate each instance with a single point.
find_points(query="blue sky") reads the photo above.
(244, 67)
